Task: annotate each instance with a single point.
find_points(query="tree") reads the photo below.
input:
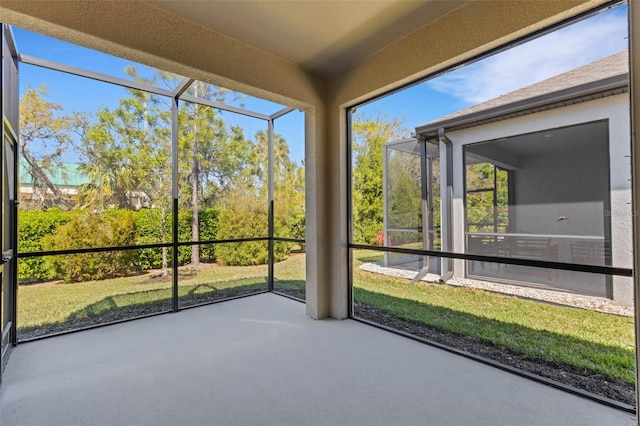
(127, 152)
(289, 210)
(288, 182)
(369, 136)
(123, 153)
(210, 156)
(404, 191)
(487, 198)
(127, 155)
(288, 178)
(245, 212)
(45, 135)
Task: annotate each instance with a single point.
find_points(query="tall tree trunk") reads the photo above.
(195, 228)
(195, 199)
(165, 263)
(40, 179)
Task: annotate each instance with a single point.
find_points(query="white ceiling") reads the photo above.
(323, 37)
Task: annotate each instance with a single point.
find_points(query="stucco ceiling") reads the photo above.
(323, 37)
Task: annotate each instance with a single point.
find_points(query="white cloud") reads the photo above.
(539, 59)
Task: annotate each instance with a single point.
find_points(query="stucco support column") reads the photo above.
(634, 76)
(326, 284)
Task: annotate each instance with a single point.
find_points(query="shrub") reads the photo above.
(153, 227)
(245, 224)
(33, 226)
(86, 230)
(184, 234)
(149, 224)
(39, 225)
(208, 226)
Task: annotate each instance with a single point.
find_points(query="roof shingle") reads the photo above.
(614, 65)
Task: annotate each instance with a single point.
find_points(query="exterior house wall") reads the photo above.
(614, 109)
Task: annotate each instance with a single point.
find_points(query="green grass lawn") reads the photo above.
(289, 276)
(56, 302)
(598, 342)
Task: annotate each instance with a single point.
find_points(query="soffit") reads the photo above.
(323, 37)
(548, 143)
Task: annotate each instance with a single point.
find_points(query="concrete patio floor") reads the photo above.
(261, 361)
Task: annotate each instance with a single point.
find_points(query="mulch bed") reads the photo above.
(298, 293)
(595, 383)
(121, 314)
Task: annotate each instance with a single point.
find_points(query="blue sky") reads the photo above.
(83, 94)
(575, 45)
(562, 50)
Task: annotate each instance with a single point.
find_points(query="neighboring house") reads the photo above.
(66, 177)
(539, 173)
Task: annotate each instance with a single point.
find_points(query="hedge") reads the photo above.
(33, 227)
(246, 224)
(38, 231)
(58, 230)
(87, 230)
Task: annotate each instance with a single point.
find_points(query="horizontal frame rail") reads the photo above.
(223, 107)
(412, 230)
(563, 266)
(545, 236)
(136, 247)
(81, 72)
(289, 240)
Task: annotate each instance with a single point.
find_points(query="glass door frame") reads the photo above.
(8, 219)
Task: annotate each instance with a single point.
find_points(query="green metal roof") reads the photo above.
(64, 174)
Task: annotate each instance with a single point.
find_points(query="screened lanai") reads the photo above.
(317, 75)
(155, 194)
(522, 194)
(540, 196)
(411, 203)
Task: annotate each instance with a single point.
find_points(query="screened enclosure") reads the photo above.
(411, 176)
(156, 193)
(508, 215)
(542, 196)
